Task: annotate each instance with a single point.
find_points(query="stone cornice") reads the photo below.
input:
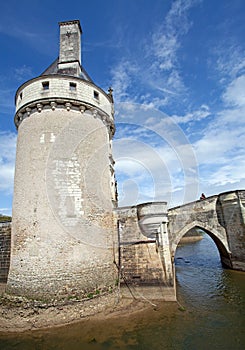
(66, 104)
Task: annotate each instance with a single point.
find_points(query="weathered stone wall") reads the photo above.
(231, 207)
(63, 226)
(140, 262)
(5, 244)
(70, 41)
(201, 214)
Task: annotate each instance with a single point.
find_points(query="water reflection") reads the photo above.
(213, 297)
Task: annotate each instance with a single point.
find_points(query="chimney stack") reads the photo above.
(70, 48)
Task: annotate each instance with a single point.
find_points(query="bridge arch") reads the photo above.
(222, 247)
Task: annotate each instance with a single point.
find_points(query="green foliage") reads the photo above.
(181, 308)
(90, 295)
(5, 218)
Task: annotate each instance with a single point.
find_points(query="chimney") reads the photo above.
(70, 48)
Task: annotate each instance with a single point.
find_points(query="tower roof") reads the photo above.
(54, 69)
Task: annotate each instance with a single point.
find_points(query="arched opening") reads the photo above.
(199, 265)
(197, 227)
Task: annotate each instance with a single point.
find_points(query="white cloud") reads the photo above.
(157, 67)
(153, 153)
(123, 75)
(166, 39)
(220, 149)
(197, 115)
(230, 61)
(164, 46)
(7, 161)
(235, 92)
(229, 173)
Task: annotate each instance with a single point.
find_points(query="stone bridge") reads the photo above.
(149, 235)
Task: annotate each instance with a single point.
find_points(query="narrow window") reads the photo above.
(21, 95)
(96, 95)
(45, 85)
(73, 86)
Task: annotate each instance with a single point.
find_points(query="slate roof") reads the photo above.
(53, 69)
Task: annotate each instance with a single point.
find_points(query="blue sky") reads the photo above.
(178, 73)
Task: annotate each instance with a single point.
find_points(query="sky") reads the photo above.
(177, 69)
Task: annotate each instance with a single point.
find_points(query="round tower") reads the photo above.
(63, 229)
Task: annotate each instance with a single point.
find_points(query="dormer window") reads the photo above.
(96, 95)
(73, 86)
(45, 85)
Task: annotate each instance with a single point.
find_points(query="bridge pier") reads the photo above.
(146, 269)
(165, 252)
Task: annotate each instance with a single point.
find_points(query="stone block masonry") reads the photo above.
(5, 243)
(142, 270)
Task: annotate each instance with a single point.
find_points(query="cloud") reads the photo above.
(164, 49)
(195, 116)
(230, 61)
(220, 147)
(7, 161)
(123, 76)
(157, 74)
(23, 73)
(152, 152)
(216, 130)
(164, 46)
(166, 40)
(235, 92)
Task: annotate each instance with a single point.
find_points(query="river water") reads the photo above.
(211, 315)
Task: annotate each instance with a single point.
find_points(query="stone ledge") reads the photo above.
(66, 104)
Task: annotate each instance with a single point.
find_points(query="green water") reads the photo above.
(213, 299)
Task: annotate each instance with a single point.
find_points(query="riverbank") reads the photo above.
(190, 239)
(20, 315)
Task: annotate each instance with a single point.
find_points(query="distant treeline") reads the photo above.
(5, 218)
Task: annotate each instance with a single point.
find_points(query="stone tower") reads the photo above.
(63, 227)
